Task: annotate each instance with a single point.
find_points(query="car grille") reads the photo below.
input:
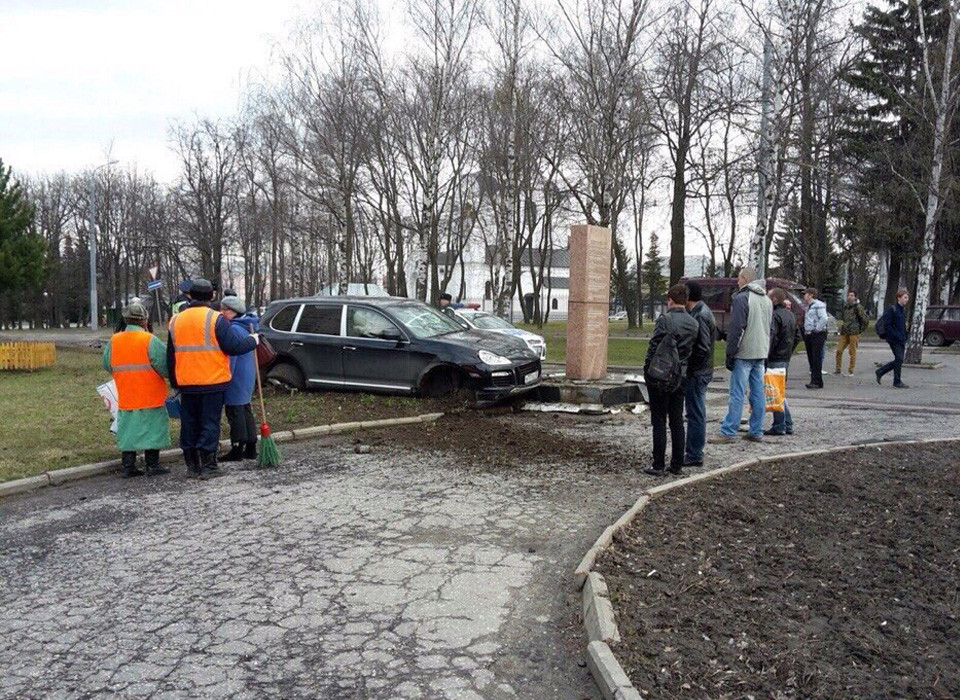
(524, 370)
(503, 380)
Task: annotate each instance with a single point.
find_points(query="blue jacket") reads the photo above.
(243, 367)
(896, 322)
(230, 343)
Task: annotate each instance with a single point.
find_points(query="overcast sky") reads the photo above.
(80, 75)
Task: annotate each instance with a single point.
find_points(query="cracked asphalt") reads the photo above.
(393, 574)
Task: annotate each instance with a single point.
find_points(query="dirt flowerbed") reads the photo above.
(500, 439)
(832, 577)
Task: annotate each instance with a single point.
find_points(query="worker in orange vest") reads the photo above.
(138, 361)
(199, 343)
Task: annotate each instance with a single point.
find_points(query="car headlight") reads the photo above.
(492, 358)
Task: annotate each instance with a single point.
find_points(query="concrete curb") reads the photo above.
(56, 477)
(598, 615)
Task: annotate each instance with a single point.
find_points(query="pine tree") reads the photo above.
(22, 252)
(652, 272)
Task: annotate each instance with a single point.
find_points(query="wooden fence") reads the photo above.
(29, 356)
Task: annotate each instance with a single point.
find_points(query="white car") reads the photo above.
(481, 320)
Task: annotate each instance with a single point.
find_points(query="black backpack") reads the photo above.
(664, 371)
(881, 326)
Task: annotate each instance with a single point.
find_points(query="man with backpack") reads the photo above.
(892, 327)
(665, 372)
(748, 344)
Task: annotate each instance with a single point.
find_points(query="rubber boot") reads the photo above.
(191, 456)
(152, 459)
(208, 465)
(235, 454)
(129, 461)
(250, 450)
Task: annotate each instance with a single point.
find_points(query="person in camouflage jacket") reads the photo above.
(854, 322)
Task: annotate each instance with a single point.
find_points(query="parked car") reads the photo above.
(483, 321)
(387, 344)
(618, 316)
(942, 325)
(718, 294)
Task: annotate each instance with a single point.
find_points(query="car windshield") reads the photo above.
(489, 322)
(423, 321)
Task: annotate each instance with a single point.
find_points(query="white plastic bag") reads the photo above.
(108, 394)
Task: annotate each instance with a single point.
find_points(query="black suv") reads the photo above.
(392, 345)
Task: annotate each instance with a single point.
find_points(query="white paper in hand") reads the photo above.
(108, 394)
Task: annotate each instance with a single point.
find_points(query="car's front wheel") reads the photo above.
(287, 376)
(446, 382)
(935, 339)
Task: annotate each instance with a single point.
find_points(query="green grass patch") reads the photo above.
(54, 418)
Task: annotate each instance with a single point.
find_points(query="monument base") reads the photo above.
(612, 390)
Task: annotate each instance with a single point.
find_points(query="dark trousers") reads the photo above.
(696, 408)
(200, 420)
(815, 343)
(665, 405)
(243, 426)
(896, 364)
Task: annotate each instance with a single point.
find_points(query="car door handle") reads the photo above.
(349, 347)
(296, 344)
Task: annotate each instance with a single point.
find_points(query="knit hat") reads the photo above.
(134, 312)
(234, 304)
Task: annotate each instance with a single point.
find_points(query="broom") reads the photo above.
(269, 455)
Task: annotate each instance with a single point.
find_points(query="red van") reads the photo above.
(718, 295)
(942, 325)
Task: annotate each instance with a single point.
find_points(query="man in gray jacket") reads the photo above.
(748, 344)
(814, 336)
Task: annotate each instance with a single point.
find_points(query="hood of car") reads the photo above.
(500, 343)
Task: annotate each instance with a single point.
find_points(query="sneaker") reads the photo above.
(653, 471)
(836, 371)
(722, 440)
(811, 385)
(901, 385)
(675, 469)
(693, 462)
(753, 438)
(849, 374)
(772, 433)
(825, 372)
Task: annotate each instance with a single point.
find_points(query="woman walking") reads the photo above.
(138, 362)
(236, 399)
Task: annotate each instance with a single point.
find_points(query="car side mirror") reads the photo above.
(393, 334)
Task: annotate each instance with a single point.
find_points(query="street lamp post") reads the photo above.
(94, 304)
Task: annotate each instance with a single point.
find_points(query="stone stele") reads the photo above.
(589, 302)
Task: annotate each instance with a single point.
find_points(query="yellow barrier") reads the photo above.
(27, 356)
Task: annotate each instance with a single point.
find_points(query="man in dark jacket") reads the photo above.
(699, 374)
(853, 323)
(684, 329)
(783, 339)
(198, 347)
(894, 321)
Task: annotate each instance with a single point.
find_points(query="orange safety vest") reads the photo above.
(138, 384)
(200, 361)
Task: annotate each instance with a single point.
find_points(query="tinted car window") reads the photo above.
(424, 321)
(951, 315)
(714, 294)
(320, 320)
(366, 323)
(284, 319)
(933, 314)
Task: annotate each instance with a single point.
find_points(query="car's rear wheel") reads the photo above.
(287, 376)
(935, 339)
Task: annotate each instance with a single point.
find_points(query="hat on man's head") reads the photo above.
(229, 292)
(234, 304)
(134, 312)
(184, 286)
(446, 297)
(201, 286)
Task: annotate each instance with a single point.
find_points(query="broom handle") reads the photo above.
(256, 363)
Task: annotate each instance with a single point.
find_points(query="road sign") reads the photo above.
(154, 284)
(153, 272)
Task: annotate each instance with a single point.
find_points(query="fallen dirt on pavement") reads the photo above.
(819, 577)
